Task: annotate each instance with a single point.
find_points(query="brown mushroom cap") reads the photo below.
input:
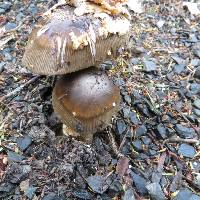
(85, 101)
(63, 42)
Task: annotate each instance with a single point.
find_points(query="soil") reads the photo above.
(149, 151)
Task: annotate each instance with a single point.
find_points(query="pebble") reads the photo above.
(195, 88)
(10, 26)
(97, 184)
(129, 195)
(184, 194)
(121, 126)
(195, 62)
(179, 60)
(155, 191)
(24, 142)
(184, 132)
(133, 118)
(160, 23)
(52, 196)
(187, 151)
(32, 9)
(82, 194)
(30, 192)
(140, 183)
(14, 157)
(197, 112)
(5, 5)
(137, 144)
(178, 68)
(149, 66)
(19, 16)
(126, 111)
(197, 103)
(197, 72)
(6, 187)
(146, 140)
(140, 131)
(162, 131)
(2, 11)
(127, 98)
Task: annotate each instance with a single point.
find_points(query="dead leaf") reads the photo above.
(122, 166)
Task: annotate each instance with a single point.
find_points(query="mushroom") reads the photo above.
(63, 42)
(85, 101)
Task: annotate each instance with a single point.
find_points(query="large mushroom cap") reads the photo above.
(85, 101)
(63, 42)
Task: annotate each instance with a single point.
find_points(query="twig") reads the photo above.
(114, 145)
(177, 139)
(18, 89)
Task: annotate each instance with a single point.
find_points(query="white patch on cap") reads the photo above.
(63, 50)
(42, 30)
(74, 113)
(114, 104)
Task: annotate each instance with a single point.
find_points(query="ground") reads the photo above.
(150, 151)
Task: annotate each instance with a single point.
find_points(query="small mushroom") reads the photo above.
(63, 42)
(85, 101)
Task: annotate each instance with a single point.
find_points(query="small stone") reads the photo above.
(146, 140)
(162, 131)
(121, 127)
(133, 118)
(126, 112)
(155, 191)
(197, 112)
(140, 183)
(160, 23)
(5, 5)
(140, 131)
(178, 68)
(129, 195)
(6, 187)
(2, 11)
(187, 151)
(24, 142)
(195, 88)
(14, 157)
(184, 194)
(33, 9)
(179, 60)
(19, 16)
(30, 192)
(127, 98)
(197, 103)
(97, 184)
(8, 56)
(149, 66)
(195, 62)
(81, 194)
(10, 26)
(184, 132)
(52, 196)
(137, 145)
(197, 72)
(136, 94)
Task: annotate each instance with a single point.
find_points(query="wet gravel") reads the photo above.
(156, 130)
